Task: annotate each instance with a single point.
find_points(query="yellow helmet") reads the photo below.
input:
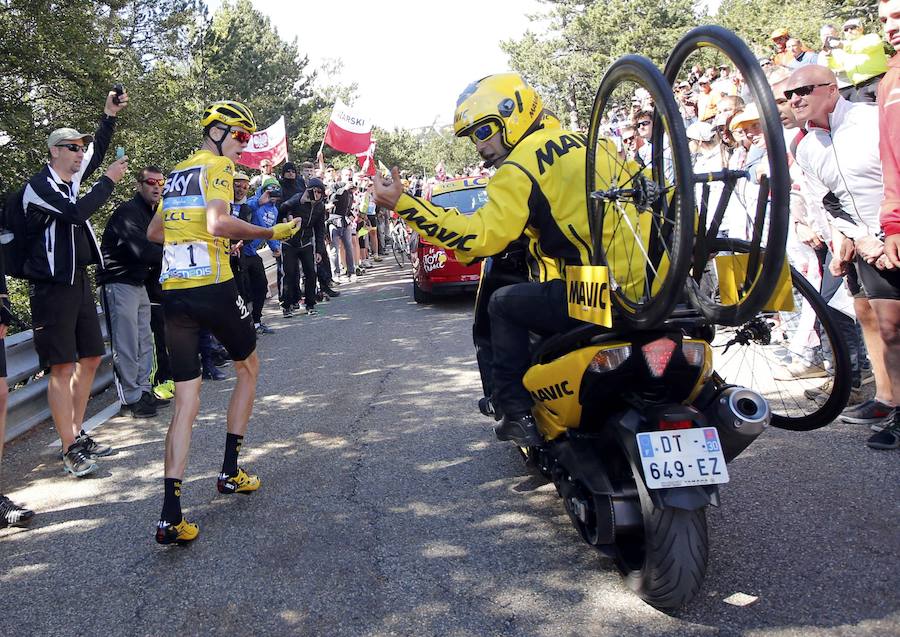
(230, 114)
(505, 99)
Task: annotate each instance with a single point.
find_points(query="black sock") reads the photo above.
(171, 511)
(232, 448)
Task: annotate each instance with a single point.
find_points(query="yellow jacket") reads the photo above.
(860, 59)
(539, 190)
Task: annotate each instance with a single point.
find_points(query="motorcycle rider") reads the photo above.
(539, 191)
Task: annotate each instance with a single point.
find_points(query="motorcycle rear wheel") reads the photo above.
(671, 566)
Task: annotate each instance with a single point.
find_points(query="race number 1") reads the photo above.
(185, 261)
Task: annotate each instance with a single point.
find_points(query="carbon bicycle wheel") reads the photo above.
(759, 353)
(640, 201)
(766, 211)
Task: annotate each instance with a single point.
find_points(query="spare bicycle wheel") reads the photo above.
(757, 208)
(640, 200)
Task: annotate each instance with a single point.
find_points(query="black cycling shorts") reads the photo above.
(65, 322)
(218, 308)
(878, 284)
(2, 358)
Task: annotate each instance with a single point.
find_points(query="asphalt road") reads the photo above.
(387, 508)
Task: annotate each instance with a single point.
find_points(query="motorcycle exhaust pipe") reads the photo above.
(740, 415)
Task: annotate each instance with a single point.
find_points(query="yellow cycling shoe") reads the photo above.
(181, 533)
(240, 483)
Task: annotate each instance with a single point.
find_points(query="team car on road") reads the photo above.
(435, 269)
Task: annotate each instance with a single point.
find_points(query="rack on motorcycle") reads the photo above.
(641, 420)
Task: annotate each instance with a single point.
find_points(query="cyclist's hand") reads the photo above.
(892, 250)
(117, 169)
(286, 230)
(388, 191)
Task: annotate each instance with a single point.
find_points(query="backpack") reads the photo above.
(12, 233)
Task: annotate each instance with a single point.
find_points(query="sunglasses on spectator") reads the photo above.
(642, 123)
(803, 90)
(75, 148)
(484, 132)
(628, 140)
(152, 181)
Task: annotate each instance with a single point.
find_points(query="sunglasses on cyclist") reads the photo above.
(75, 148)
(241, 136)
(154, 182)
(484, 132)
(803, 90)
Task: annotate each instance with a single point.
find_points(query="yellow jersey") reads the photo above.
(192, 257)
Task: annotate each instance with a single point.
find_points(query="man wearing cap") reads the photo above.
(128, 260)
(706, 100)
(861, 56)
(781, 56)
(60, 244)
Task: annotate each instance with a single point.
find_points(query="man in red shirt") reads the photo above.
(889, 142)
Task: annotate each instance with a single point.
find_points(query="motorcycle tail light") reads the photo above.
(695, 352)
(658, 354)
(668, 425)
(608, 359)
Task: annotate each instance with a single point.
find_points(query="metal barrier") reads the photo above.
(27, 406)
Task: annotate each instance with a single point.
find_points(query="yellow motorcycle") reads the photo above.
(638, 428)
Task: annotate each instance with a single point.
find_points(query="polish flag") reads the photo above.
(367, 160)
(348, 131)
(270, 143)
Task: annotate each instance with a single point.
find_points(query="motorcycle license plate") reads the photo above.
(682, 458)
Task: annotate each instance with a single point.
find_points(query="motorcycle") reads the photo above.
(638, 431)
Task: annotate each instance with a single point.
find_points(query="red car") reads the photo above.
(435, 269)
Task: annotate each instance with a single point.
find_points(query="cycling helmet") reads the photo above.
(230, 114)
(505, 101)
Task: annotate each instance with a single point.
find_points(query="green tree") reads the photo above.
(584, 38)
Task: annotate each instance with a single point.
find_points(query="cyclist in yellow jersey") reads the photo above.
(195, 227)
(538, 191)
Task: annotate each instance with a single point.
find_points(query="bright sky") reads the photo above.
(410, 58)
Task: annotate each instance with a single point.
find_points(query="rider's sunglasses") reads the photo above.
(154, 182)
(484, 132)
(75, 148)
(803, 90)
(241, 136)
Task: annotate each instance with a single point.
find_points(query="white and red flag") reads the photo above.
(367, 160)
(348, 131)
(270, 143)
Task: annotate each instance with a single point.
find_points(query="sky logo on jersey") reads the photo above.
(183, 190)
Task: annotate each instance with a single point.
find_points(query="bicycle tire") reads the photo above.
(841, 375)
(760, 289)
(643, 300)
(398, 253)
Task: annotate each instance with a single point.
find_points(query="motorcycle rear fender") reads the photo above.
(626, 427)
(581, 461)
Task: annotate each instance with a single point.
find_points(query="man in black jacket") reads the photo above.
(309, 206)
(128, 260)
(60, 244)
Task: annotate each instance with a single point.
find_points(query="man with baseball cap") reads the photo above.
(59, 244)
(782, 55)
(861, 57)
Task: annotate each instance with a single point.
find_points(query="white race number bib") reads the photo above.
(185, 261)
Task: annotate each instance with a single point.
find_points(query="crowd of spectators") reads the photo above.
(843, 171)
(837, 239)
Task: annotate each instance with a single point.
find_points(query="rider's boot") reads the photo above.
(521, 429)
